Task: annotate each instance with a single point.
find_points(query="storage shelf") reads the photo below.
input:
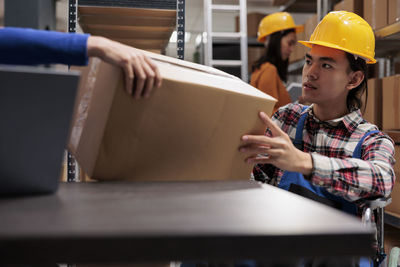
(296, 67)
(392, 219)
(388, 40)
(389, 32)
(251, 41)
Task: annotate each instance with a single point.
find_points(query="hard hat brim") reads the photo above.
(369, 59)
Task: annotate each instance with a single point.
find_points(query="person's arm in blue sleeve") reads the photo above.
(20, 46)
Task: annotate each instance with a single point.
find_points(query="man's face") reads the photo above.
(326, 77)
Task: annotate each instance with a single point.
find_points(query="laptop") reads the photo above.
(36, 106)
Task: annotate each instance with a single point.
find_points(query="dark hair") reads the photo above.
(354, 98)
(273, 54)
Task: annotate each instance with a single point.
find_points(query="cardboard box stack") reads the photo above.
(189, 129)
(355, 6)
(253, 20)
(391, 103)
(394, 207)
(373, 107)
(254, 53)
(393, 11)
(309, 26)
(376, 13)
(300, 50)
(142, 28)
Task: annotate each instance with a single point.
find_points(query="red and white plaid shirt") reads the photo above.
(331, 144)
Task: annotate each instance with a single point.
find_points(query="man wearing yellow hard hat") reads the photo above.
(278, 32)
(327, 151)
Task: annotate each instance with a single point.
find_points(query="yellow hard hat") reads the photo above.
(276, 22)
(345, 31)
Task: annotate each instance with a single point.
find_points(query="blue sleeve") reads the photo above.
(20, 46)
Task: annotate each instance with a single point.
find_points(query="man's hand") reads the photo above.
(277, 150)
(141, 73)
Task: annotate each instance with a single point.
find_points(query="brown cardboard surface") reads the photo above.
(393, 11)
(392, 237)
(355, 6)
(397, 158)
(253, 19)
(373, 108)
(133, 32)
(309, 27)
(394, 206)
(395, 135)
(254, 53)
(146, 44)
(138, 27)
(391, 103)
(299, 50)
(189, 129)
(340, 6)
(376, 13)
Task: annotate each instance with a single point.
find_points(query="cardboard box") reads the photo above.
(138, 27)
(373, 107)
(253, 20)
(355, 6)
(395, 135)
(393, 11)
(299, 50)
(254, 53)
(394, 206)
(189, 129)
(309, 26)
(375, 13)
(397, 164)
(391, 103)
(391, 239)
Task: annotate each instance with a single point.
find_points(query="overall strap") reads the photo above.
(357, 150)
(298, 141)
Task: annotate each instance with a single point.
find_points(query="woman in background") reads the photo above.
(278, 32)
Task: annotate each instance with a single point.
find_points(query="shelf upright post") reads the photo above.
(72, 175)
(180, 31)
(323, 7)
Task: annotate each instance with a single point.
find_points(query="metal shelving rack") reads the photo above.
(72, 166)
(180, 29)
(72, 174)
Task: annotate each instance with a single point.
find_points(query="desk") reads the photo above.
(157, 221)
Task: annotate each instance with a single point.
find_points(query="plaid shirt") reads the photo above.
(331, 144)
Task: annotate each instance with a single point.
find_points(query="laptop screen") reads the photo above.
(36, 106)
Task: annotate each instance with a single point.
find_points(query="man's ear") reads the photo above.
(356, 79)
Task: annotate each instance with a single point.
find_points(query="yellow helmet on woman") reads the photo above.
(345, 31)
(276, 22)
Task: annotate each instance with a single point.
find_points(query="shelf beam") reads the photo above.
(388, 31)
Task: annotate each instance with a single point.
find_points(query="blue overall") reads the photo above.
(296, 183)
